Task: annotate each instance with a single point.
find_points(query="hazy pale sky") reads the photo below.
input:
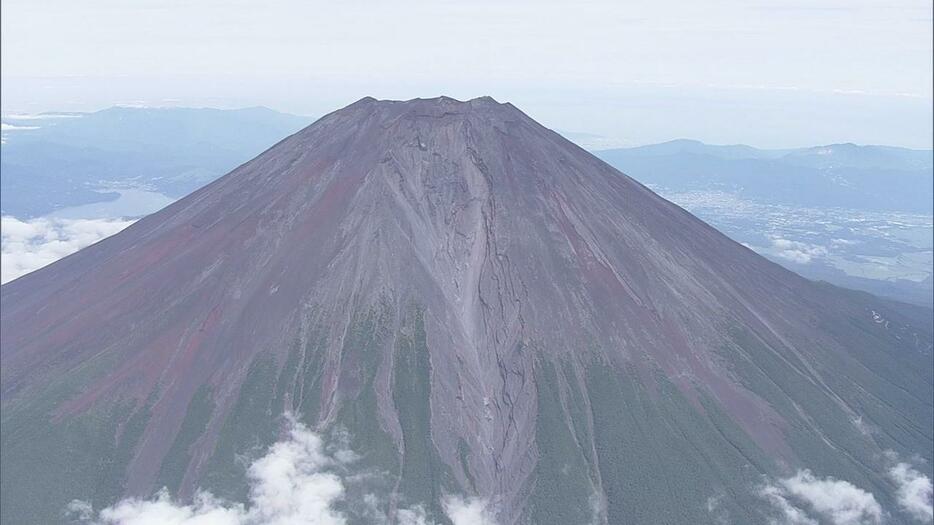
(771, 73)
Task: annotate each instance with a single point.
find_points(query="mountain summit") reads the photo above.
(480, 308)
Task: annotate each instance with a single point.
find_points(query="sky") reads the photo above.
(771, 73)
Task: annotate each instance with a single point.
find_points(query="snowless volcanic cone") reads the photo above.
(483, 309)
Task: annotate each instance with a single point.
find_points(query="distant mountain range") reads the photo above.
(855, 216)
(60, 160)
(837, 175)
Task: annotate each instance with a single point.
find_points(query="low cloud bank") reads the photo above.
(299, 480)
(26, 246)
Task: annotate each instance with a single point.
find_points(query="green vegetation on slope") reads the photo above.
(75, 457)
(248, 430)
(177, 459)
(564, 490)
(422, 470)
(661, 459)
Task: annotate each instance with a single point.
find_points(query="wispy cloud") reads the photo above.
(26, 246)
(717, 512)
(300, 479)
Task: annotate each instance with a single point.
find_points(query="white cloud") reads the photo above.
(841, 501)
(471, 511)
(299, 480)
(163, 511)
(796, 251)
(29, 245)
(789, 513)
(801, 498)
(289, 484)
(914, 492)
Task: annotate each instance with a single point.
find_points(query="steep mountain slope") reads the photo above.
(484, 307)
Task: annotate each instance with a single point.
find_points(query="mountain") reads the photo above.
(865, 157)
(841, 175)
(56, 161)
(478, 307)
(829, 156)
(696, 147)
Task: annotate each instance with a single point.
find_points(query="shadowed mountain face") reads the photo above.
(484, 307)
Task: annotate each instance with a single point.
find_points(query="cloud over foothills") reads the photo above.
(796, 251)
(29, 245)
(301, 479)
